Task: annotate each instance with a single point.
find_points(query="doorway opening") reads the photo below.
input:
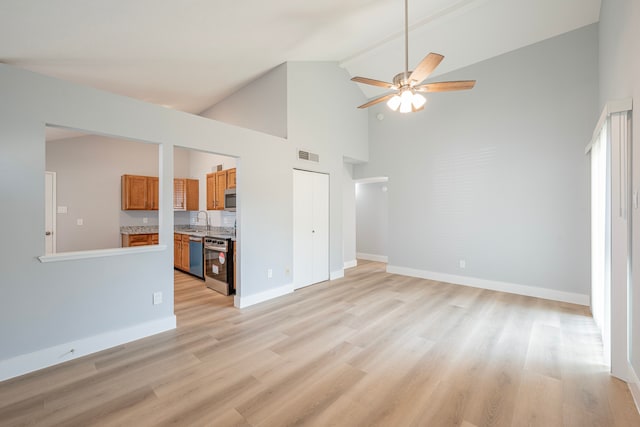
(372, 219)
(204, 220)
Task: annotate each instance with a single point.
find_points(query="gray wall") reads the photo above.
(88, 170)
(325, 122)
(50, 304)
(496, 176)
(349, 215)
(372, 218)
(619, 44)
(260, 105)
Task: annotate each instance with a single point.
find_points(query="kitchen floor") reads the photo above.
(371, 349)
(192, 297)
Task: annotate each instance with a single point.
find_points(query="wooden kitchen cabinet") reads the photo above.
(177, 250)
(221, 185)
(185, 252)
(139, 192)
(181, 251)
(217, 183)
(130, 240)
(186, 194)
(153, 190)
(211, 191)
(231, 178)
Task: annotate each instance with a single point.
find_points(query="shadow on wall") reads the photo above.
(372, 218)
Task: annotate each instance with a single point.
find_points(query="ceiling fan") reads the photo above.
(407, 85)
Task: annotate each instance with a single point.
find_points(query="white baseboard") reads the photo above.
(372, 257)
(46, 357)
(350, 264)
(338, 274)
(634, 386)
(492, 285)
(241, 301)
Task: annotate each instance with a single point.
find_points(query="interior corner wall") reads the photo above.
(497, 175)
(619, 44)
(260, 105)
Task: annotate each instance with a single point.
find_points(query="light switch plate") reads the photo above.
(157, 298)
(62, 209)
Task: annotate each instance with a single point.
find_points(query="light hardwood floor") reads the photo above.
(370, 349)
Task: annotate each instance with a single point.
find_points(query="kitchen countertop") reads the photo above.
(220, 232)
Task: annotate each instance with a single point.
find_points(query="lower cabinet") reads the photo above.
(181, 251)
(129, 240)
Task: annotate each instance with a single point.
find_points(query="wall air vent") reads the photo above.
(306, 155)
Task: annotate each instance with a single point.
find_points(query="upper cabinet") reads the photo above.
(139, 192)
(186, 195)
(211, 191)
(217, 183)
(231, 178)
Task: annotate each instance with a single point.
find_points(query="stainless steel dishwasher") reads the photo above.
(196, 260)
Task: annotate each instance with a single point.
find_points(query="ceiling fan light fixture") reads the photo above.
(406, 98)
(394, 102)
(418, 101)
(408, 83)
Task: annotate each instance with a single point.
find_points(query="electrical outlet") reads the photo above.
(269, 273)
(145, 220)
(80, 221)
(287, 271)
(463, 263)
(157, 298)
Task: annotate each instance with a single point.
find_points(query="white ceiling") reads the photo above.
(189, 54)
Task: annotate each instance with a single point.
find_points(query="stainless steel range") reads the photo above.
(218, 264)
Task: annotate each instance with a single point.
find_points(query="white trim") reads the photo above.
(611, 107)
(50, 356)
(372, 257)
(634, 385)
(99, 253)
(512, 288)
(338, 274)
(350, 264)
(241, 301)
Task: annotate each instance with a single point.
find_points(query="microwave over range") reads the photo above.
(230, 199)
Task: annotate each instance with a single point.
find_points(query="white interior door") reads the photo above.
(310, 228)
(50, 212)
(320, 228)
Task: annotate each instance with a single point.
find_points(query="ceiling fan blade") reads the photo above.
(373, 82)
(426, 67)
(377, 100)
(446, 86)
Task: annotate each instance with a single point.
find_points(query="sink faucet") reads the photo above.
(206, 218)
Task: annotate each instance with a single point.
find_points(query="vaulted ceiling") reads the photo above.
(190, 54)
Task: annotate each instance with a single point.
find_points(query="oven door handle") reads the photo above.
(217, 248)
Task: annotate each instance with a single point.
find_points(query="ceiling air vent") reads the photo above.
(306, 155)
